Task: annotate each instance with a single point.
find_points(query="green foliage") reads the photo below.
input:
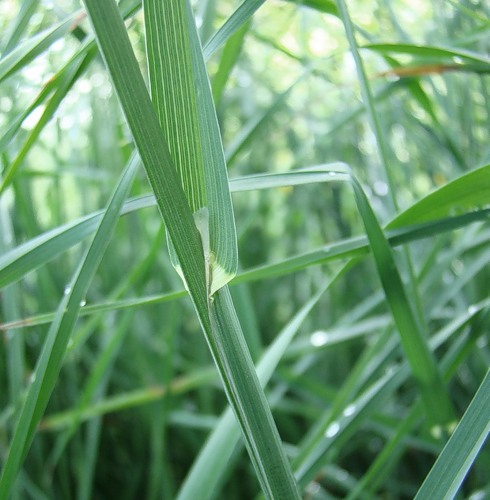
(355, 137)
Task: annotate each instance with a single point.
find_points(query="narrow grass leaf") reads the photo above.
(30, 255)
(241, 15)
(463, 446)
(18, 27)
(414, 341)
(130, 399)
(325, 6)
(409, 321)
(182, 98)
(211, 464)
(256, 124)
(377, 354)
(49, 87)
(450, 198)
(251, 407)
(27, 257)
(66, 82)
(428, 52)
(468, 191)
(93, 391)
(41, 249)
(368, 99)
(23, 54)
(387, 459)
(344, 426)
(231, 53)
(434, 395)
(92, 309)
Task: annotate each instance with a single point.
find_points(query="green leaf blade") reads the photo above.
(182, 96)
(456, 458)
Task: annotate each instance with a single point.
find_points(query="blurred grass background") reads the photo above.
(287, 96)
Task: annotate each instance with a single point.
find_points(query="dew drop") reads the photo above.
(472, 309)
(451, 427)
(342, 476)
(32, 378)
(349, 410)
(67, 290)
(436, 431)
(319, 338)
(390, 370)
(313, 488)
(457, 267)
(482, 343)
(380, 188)
(332, 430)
(332, 174)
(447, 278)
(83, 303)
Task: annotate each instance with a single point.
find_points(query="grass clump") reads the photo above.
(322, 173)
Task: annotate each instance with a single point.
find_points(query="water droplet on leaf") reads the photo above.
(319, 338)
(349, 410)
(332, 430)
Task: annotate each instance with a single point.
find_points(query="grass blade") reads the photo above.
(428, 52)
(469, 190)
(231, 53)
(455, 195)
(17, 28)
(312, 456)
(211, 464)
(456, 458)
(66, 80)
(120, 402)
(325, 6)
(178, 83)
(244, 12)
(254, 126)
(354, 247)
(415, 343)
(23, 54)
(270, 462)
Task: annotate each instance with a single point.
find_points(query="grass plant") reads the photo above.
(244, 249)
